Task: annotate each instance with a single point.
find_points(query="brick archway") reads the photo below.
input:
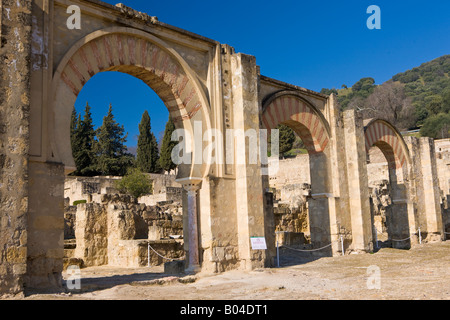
(293, 110)
(398, 219)
(385, 136)
(290, 109)
(138, 54)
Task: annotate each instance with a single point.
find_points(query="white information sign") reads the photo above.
(258, 243)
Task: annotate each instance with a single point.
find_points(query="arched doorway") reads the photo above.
(394, 225)
(290, 109)
(147, 58)
(137, 54)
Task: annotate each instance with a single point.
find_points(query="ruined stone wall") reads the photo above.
(291, 171)
(108, 232)
(84, 188)
(15, 32)
(443, 168)
(92, 234)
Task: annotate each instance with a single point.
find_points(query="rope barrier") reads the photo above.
(341, 240)
(400, 240)
(308, 250)
(170, 259)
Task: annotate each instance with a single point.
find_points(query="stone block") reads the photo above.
(174, 267)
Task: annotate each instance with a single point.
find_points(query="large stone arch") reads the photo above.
(150, 59)
(390, 141)
(288, 107)
(143, 56)
(400, 217)
(292, 109)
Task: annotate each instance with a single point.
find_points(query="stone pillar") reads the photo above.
(15, 52)
(358, 183)
(45, 226)
(192, 220)
(431, 190)
(249, 186)
(338, 206)
(426, 180)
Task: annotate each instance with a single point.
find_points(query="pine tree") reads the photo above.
(82, 140)
(112, 157)
(167, 145)
(147, 159)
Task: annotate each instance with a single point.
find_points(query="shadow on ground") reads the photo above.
(96, 282)
(289, 257)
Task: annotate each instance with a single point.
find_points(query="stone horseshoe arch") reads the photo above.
(288, 107)
(384, 135)
(141, 55)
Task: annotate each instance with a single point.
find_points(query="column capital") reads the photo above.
(191, 185)
(191, 188)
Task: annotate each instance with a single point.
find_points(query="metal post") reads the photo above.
(342, 245)
(278, 256)
(376, 238)
(420, 237)
(148, 252)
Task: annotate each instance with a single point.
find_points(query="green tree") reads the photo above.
(286, 140)
(147, 159)
(112, 157)
(156, 168)
(82, 140)
(436, 126)
(434, 104)
(75, 119)
(135, 183)
(446, 100)
(365, 84)
(165, 159)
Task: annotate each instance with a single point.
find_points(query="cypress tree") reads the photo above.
(155, 155)
(147, 159)
(167, 145)
(112, 157)
(73, 126)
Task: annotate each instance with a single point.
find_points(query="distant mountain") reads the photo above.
(132, 150)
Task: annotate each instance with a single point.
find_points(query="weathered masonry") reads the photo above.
(205, 85)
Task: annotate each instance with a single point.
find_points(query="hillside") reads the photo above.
(419, 97)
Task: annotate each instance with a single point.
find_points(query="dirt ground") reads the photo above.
(421, 273)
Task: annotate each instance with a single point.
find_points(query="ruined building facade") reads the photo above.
(205, 85)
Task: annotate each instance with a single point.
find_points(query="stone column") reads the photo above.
(249, 200)
(193, 249)
(429, 217)
(358, 181)
(431, 190)
(15, 32)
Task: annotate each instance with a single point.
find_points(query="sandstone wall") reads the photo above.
(15, 35)
(108, 232)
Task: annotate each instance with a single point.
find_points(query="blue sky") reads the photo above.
(312, 44)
